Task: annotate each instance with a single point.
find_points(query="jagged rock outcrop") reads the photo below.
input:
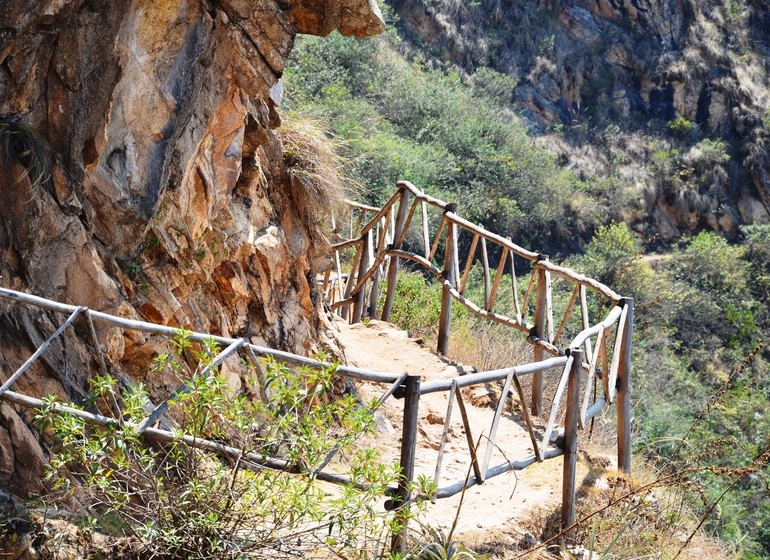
(596, 65)
(140, 175)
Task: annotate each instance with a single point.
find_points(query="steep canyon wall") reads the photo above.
(140, 175)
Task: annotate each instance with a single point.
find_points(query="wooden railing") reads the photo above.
(377, 238)
(593, 367)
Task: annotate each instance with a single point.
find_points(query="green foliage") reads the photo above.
(416, 305)
(712, 264)
(435, 544)
(699, 370)
(494, 85)
(451, 138)
(757, 254)
(712, 152)
(180, 502)
(700, 310)
(735, 12)
(613, 258)
(680, 127)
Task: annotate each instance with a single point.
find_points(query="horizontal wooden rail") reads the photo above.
(165, 436)
(570, 274)
(342, 245)
(489, 236)
(494, 317)
(170, 332)
(521, 464)
(381, 213)
(76, 312)
(421, 196)
(465, 224)
(361, 206)
(377, 235)
(585, 380)
(611, 318)
(594, 409)
(490, 376)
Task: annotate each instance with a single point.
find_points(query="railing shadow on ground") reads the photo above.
(596, 360)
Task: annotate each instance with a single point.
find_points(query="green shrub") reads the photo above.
(758, 258)
(416, 305)
(680, 127)
(180, 502)
(430, 126)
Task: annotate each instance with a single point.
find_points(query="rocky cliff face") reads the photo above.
(609, 75)
(140, 175)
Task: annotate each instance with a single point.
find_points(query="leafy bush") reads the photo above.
(416, 305)
(180, 502)
(613, 258)
(680, 127)
(405, 121)
(757, 255)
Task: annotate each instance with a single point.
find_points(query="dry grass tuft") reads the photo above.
(488, 346)
(311, 156)
(625, 517)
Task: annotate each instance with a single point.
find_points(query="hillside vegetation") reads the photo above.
(667, 102)
(701, 376)
(401, 119)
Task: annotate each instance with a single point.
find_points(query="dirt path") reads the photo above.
(500, 501)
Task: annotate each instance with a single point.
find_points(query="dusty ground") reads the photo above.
(489, 512)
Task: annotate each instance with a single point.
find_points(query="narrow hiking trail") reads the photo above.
(492, 508)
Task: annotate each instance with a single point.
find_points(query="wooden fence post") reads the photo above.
(403, 209)
(401, 502)
(541, 310)
(623, 385)
(363, 266)
(374, 293)
(570, 445)
(346, 310)
(446, 295)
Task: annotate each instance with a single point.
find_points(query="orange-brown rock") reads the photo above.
(167, 197)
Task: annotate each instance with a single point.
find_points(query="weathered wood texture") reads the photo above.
(570, 446)
(378, 248)
(624, 389)
(541, 312)
(403, 498)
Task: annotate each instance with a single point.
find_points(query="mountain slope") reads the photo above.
(667, 98)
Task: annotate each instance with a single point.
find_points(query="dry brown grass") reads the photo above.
(488, 346)
(24, 154)
(625, 517)
(311, 156)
